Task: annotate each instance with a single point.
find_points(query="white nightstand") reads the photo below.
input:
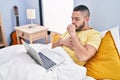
(31, 33)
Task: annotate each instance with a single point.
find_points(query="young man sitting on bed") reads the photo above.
(80, 41)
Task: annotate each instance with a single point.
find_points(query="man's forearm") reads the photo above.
(56, 44)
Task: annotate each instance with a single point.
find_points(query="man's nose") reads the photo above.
(73, 21)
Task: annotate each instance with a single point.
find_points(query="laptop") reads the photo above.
(47, 58)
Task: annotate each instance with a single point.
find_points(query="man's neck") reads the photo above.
(85, 28)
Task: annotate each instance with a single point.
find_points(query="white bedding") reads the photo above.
(15, 64)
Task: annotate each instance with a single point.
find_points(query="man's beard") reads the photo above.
(80, 27)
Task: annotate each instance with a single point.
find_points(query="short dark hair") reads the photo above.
(82, 8)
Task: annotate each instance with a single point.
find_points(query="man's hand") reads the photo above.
(71, 29)
(67, 42)
(63, 42)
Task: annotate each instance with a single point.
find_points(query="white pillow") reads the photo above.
(115, 34)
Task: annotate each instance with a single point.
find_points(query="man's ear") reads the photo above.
(87, 19)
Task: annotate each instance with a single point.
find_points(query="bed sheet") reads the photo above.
(15, 64)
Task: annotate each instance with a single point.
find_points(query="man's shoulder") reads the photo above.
(94, 31)
(91, 31)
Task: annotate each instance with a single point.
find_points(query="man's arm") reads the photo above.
(63, 42)
(56, 44)
(83, 52)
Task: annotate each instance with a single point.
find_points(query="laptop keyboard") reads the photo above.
(47, 63)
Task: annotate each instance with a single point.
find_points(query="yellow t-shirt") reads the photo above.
(91, 37)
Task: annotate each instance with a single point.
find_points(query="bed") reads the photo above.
(15, 64)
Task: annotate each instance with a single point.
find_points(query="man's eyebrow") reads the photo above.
(75, 17)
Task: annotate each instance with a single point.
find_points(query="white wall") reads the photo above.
(57, 14)
(104, 13)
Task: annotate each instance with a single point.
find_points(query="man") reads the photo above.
(80, 41)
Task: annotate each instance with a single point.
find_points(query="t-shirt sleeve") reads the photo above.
(94, 39)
